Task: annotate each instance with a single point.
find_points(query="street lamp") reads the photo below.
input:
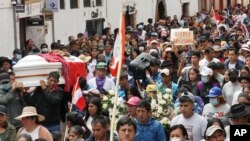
(13, 2)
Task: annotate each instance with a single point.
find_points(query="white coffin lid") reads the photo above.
(33, 68)
(35, 61)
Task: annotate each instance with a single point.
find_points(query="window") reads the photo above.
(73, 4)
(62, 4)
(86, 3)
(98, 2)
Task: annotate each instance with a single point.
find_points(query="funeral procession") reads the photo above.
(124, 70)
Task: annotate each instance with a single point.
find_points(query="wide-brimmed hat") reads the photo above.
(28, 112)
(84, 58)
(237, 111)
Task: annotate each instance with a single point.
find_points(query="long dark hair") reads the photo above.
(97, 102)
(133, 90)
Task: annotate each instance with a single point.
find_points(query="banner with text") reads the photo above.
(182, 36)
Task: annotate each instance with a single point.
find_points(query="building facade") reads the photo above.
(81, 16)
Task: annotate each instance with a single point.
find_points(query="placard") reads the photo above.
(182, 36)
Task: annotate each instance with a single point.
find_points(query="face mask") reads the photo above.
(45, 50)
(19, 56)
(204, 79)
(5, 87)
(233, 78)
(213, 101)
(141, 49)
(175, 139)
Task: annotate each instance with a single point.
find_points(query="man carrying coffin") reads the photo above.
(47, 100)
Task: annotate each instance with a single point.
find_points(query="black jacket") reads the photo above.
(47, 103)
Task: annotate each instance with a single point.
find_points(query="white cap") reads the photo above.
(216, 48)
(165, 71)
(168, 49)
(210, 130)
(189, 95)
(153, 50)
(206, 71)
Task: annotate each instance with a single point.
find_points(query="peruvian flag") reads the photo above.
(215, 16)
(119, 48)
(77, 98)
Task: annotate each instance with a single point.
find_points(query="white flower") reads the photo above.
(167, 97)
(105, 98)
(168, 91)
(165, 121)
(111, 92)
(159, 96)
(160, 110)
(162, 102)
(105, 106)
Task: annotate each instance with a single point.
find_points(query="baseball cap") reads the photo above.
(214, 92)
(134, 100)
(101, 65)
(151, 87)
(4, 77)
(210, 130)
(206, 71)
(100, 47)
(3, 109)
(188, 95)
(154, 34)
(165, 71)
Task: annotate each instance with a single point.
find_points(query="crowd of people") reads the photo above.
(170, 92)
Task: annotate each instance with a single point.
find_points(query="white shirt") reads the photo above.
(34, 134)
(108, 84)
(204, 62)
(88, 123)
(195, 125)
(235, 97)
(229, 89)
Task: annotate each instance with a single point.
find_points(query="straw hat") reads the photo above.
(84, 58)
(30, 111)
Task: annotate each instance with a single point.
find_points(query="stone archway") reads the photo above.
(161, 11)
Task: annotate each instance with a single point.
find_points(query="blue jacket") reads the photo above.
(238, 66)
(152, 131)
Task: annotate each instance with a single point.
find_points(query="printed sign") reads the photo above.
(52, 5)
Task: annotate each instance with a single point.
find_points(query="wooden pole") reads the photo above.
(122, 46)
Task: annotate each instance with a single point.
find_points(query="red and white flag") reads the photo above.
(77, 98)
(119, 48)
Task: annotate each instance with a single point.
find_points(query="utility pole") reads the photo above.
(13, 2)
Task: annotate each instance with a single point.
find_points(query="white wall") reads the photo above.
(69, 22)
(174, 7)
(7, 44)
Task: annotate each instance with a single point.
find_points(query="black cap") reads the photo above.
(235, 71)
(3, 109)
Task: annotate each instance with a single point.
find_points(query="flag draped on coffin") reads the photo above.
(77, 98)
(119, 43)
